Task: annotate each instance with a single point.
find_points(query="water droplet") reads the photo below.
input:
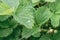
(28, 21)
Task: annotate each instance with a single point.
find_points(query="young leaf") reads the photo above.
(24, 16)
(1, 38)
(4, 24)
(12, 38)
(11, 3)
(3, 17)
(13, 23)
(50, 0)
(28, 32)
(37, 34)
(55, 20)
(8, 7)
(56, 36)
(45, 37)
(42, 15)
(17, 32)
(5, 32)
(35, 2)
(55, 6)
(5, 10)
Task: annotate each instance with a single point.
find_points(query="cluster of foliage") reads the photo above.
(29, 19)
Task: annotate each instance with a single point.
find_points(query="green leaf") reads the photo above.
(11, 3)
(3, 17)
(24, 16)
(37, 34)
(5, 32)
(56, 36)
(4, 24)
(55, 20)
(42, 15)
(5, 9)
(12, 38)
(45, 37)
(13, 23)
(33, 38)
(55, 6)
(35, 2)
(8, 7)
(1, 38)
(50, 0)
(10, 23)
(17, 32)
(25, 2)
(28, 32)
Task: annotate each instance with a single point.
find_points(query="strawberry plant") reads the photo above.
(29, 19)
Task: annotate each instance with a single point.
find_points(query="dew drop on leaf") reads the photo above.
(28, 21)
